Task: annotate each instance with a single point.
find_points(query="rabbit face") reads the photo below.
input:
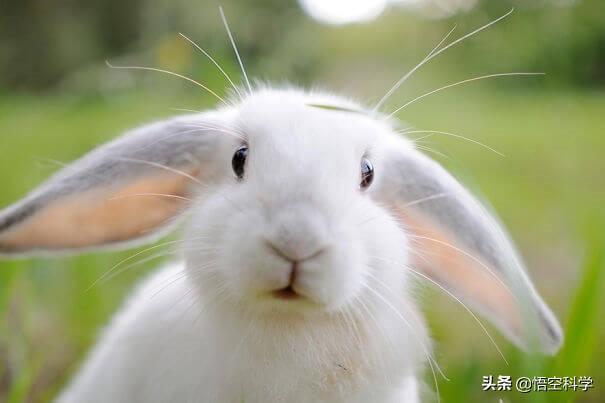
(293, 225)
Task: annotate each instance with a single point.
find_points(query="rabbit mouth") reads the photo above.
(286, 293)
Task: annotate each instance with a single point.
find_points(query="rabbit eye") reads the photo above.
(367, 174)
(239, 161)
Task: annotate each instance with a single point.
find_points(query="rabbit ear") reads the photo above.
(121, 193)
(460, 246)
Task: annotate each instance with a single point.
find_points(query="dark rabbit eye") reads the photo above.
(367, 174)
(239, 161)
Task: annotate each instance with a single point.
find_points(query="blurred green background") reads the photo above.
(58, 99)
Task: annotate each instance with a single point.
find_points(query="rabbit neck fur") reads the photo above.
(159, 350)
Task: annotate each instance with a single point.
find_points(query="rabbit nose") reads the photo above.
(297, 233)
(291, 254)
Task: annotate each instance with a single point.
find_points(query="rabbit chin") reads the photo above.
(297, 301)
(320, 289)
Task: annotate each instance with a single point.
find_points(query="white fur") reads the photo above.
(210, 330)
(165, 347)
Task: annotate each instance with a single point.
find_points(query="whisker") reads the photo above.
(168, 137)
(172, 73)
(154, 256)
(379, 327)
(196, 129)
(448, 46)
(233, 133)
(135, 264)
(151, 194)
(239, 59)
(161, 166)
(195, 300)
(409, 73)
(465, 253)
(215, 63)
(456, 136)
(107, 273)
(430, 150)
(180, 277)
(186, 110)
(466, 308)
(411, 270)
(425, 199)
(385, 301)
(369, 219)
(429, 357)
(417, 139)
(426, 351)
(52, 161)
(350, 317)
(418, 98)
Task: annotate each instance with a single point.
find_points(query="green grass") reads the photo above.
(549, 190)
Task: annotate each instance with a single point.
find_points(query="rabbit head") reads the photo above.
(296, 205)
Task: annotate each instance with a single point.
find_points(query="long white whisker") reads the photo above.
(426, 351)
(161, 166)
(411, 203)
(213, 61)
(198, 272)
(239, 59)
(427, 354)
(430, 150)
(411, 270)
(151, 195)
(186, 110)
(385, 301)
(380, 328)
(150, 258)
(466, 308)
(180, 133)
(137, 263)
(180, 277)
(350, 318)
(108, 272)
(418, 98)
(425, 199)
(172, 73)
(465, 253)
(51, 161)
(233, 133)
(437, 53)
(396, 86)
(456, 136)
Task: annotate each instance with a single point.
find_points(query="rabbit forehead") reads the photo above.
(318, 121)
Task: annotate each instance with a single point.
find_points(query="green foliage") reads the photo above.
(582, 336)
(46, 45)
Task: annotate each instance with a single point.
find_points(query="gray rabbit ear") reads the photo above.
(122, 193)
(463, 248)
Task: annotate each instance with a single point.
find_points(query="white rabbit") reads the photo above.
(307, 218)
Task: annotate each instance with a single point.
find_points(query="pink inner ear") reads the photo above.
(102, 215)
(463, 276)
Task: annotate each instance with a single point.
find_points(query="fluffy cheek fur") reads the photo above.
(227, 254)
(386, 274)
(228, 241)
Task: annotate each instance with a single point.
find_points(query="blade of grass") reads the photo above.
(582, 333)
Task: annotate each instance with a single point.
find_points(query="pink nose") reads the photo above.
(291, 254)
